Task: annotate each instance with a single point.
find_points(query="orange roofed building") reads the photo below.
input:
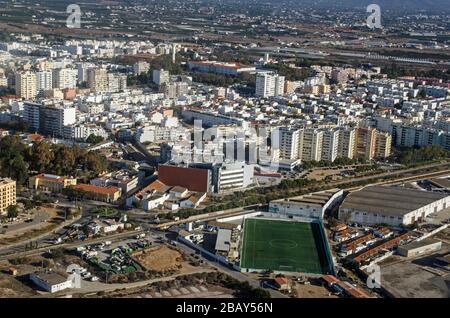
(50, 182)
(34, 137)
(96, 193)
(150, 189)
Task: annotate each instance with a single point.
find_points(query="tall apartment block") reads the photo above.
(7, 194)
(26, 85)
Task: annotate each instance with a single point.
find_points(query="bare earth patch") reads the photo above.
(312, 291)
(11, 287)
(160, 258)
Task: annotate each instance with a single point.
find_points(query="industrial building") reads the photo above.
(229, 68)
(51, 281)
(311, 205)
(394, 206)
(207, 177)
(194, 179)
(419, 247)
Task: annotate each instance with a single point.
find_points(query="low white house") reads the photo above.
(51, 281)
(154, 201)
(172, 206)
(193, 201)
(105, 226)
(178, 192)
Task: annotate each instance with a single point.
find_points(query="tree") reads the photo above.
(261, 293)
(93, 139)
(332, 222)
(57, 253)
(42, 156)
(12, 211)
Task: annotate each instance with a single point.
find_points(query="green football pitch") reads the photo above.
(287, 246)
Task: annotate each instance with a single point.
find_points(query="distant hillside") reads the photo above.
(408, 5)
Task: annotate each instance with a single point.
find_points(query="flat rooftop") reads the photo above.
(318, 199)
(418, 244)
(51, 278)
(441, 182)
(390, 200)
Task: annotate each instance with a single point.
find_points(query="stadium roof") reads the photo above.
(389, 200)
(441, 182)
(313, 199)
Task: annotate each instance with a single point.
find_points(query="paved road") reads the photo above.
(94, 287)
(43, 240)
(39, 217)
(20, 252)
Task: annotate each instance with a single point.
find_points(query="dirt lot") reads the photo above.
(312, 291)
(321, 174)
(417, 277)
(11, 287)
(18, 286)
(160, 258)
(45, 220)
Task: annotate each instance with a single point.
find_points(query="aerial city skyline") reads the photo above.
(260, 151)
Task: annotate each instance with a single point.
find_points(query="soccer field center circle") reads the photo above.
(282, 243)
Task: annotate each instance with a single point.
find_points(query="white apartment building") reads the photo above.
(31, 114)
(418, 136)
(116, 82)
(234, 175)
(311, 145)
(44, 82)
(289, 143)
(26, 85)
(161, 77)
(82, 70)
(157, 133)
(97, 79)
(49, 119)
(64, 78)
(82, 131)
(140, 67)
(330, 146)
(347, 139)
(268, 85)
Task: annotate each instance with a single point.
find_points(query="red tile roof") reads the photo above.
(96, 189)
(281, 280)
(50, 177)
(35, 137)
(154, 186)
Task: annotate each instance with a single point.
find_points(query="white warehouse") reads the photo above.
(391, 205)
(50, 281)
(311, 205)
